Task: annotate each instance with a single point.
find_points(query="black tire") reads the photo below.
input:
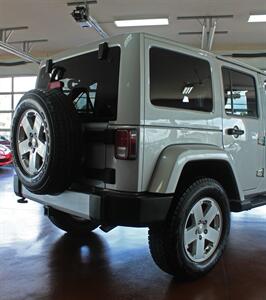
(167, 241)
(61, 133)
(70, 224)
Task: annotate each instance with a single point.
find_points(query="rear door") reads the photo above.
(243, 134)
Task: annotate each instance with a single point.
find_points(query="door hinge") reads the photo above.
(262, 141)
(260, 172)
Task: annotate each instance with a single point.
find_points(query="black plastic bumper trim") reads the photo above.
(130, 209)
(122, 208)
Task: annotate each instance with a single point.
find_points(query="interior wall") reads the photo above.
(28, 69)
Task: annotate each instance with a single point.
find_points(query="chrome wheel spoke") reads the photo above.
(212, 212)
(24, 147)
(32, 163)
(198, 213)
(37, 125)
(212, 235)
(200, 250)
(190, 236)
(25, 124)
(41, 150)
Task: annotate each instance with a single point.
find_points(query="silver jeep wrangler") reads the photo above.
(141, 131)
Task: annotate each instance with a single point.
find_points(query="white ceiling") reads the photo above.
(51, 19)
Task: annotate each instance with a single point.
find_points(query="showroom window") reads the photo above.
(180, 81)
(11, 90)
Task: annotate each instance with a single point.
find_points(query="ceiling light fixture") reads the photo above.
(257, 18)
(185, 99)
(187, 89)
(142, 22)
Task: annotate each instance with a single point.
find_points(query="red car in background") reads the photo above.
(5, 156)
(4, 141)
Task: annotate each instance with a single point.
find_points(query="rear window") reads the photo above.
(98, 79)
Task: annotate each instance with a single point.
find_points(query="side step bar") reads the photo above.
(248, 203)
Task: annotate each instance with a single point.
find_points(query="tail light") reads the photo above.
(55, 85)
(126, 144)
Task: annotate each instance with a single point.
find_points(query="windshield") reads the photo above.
(95, 80)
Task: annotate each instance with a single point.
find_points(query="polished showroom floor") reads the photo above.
(39, 261)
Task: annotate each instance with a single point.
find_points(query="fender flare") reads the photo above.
(173, 159)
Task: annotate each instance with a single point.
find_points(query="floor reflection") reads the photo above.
(39, 261)
(78, 267)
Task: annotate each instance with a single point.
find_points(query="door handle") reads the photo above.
(236, 132)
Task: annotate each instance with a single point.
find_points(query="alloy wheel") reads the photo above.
(203, 228)
(32, 142)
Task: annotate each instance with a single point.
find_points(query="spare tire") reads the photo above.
(45, 140)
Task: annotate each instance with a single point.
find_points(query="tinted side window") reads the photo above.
(180, 81)
(240, 94)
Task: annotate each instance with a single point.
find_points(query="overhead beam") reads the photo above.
(15, 28)
(28, 44)
(205, 17)
(81, 3)
(203, 35)
(213, 25)
(200, 32)
(245, 54)
(6, 33)
(209, 25)
(12, 50)
(29, 41)
(98, 28)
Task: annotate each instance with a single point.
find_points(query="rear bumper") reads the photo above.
(106, 207)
